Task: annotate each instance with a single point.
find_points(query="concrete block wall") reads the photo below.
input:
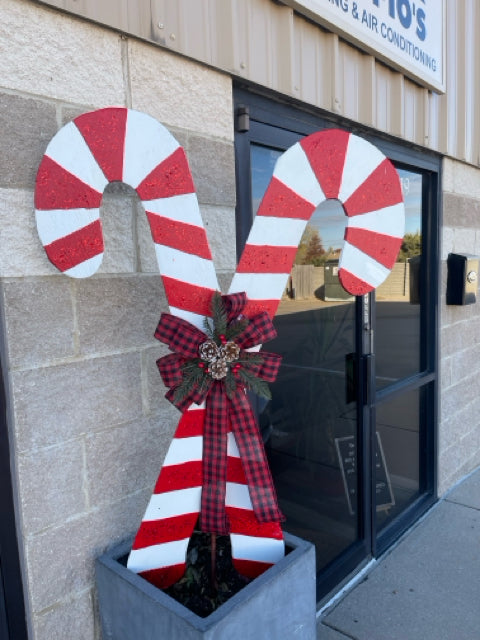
(459, 423)
(88, 423)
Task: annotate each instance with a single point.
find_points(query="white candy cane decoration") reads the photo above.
(120, 144)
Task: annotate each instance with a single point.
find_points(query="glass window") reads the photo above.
(397, 330)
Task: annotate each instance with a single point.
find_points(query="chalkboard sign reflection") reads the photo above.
(347, 456)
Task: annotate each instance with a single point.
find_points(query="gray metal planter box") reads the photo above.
(279, 604)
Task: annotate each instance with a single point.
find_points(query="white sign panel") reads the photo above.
(407, 34)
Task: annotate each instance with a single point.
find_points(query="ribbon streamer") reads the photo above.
(224, 411)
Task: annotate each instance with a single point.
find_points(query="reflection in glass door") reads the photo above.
(310, 425)
(349, 430)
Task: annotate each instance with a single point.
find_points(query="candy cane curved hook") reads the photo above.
(330, 164)
(120, 144)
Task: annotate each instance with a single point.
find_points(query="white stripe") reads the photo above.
(260, 286)
(173, 503)
(294, 170)
(238, 496)
(232, 449)
(186, 267)
(182, 208)
(194, 318)
(158, 555)
(69, 149)
(147, 144)
(257, 549)
(184, 450)
(362, 265)
(362, 158)
(86, 268)
(276, 232)
(57, 223)
(390, 221)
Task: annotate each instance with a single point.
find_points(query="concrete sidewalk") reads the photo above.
(428, 587)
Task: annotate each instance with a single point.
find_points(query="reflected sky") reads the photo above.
(328, 217)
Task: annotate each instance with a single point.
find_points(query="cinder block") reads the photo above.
(51, 485)
(118, 313)
(465, 240)
(56, 404)
(27, 126)
(146, 248)
(22, 253)
(466, 363)
(219, 223)
(39, 321)
(52, 54)
(117, 213)
(73, 619)
(179, 92)
(60, 560)
(462, 178)
(125, 459)
(154, 401)
(213, 170)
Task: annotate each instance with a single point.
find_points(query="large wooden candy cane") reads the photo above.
(120, 144)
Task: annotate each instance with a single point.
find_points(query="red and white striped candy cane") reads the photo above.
(328, 164)
(120, 144)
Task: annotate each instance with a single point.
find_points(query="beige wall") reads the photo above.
(459, 425)
(265, 42)
(89, 426)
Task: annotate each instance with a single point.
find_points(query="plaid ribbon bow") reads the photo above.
(224, 412)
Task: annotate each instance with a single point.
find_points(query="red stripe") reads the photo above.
(178, 235)
(235, 472)
(326, 151)
(257, 306)
(352, 284)
(171, 177)
(244, 522)
(382, 248)
(189, 297)
(250, 568)
(104, 133)
(282, 202)
(266, 259)
(191, 424)
(72, 250)
(166, 530)
(56, 188)
(175, 477)
(381, 189)
(164, 577)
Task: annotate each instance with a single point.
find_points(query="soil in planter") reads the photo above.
(196, 590)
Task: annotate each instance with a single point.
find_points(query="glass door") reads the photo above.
(349, 429)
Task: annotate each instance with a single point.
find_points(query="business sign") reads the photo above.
(406, 34)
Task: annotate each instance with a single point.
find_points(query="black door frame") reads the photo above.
(254, 114)
(12, 607)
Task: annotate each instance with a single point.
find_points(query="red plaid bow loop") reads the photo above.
(225, 411)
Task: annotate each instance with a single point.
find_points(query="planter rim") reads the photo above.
(298, 548)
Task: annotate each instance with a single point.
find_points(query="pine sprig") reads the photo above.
(235, 328)
(257, 385)
(192, 376)
(219, 316)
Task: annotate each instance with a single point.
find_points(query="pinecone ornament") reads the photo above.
(208, 351)
(230, 351)
(218, 369)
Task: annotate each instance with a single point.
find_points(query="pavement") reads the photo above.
(427, 587)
